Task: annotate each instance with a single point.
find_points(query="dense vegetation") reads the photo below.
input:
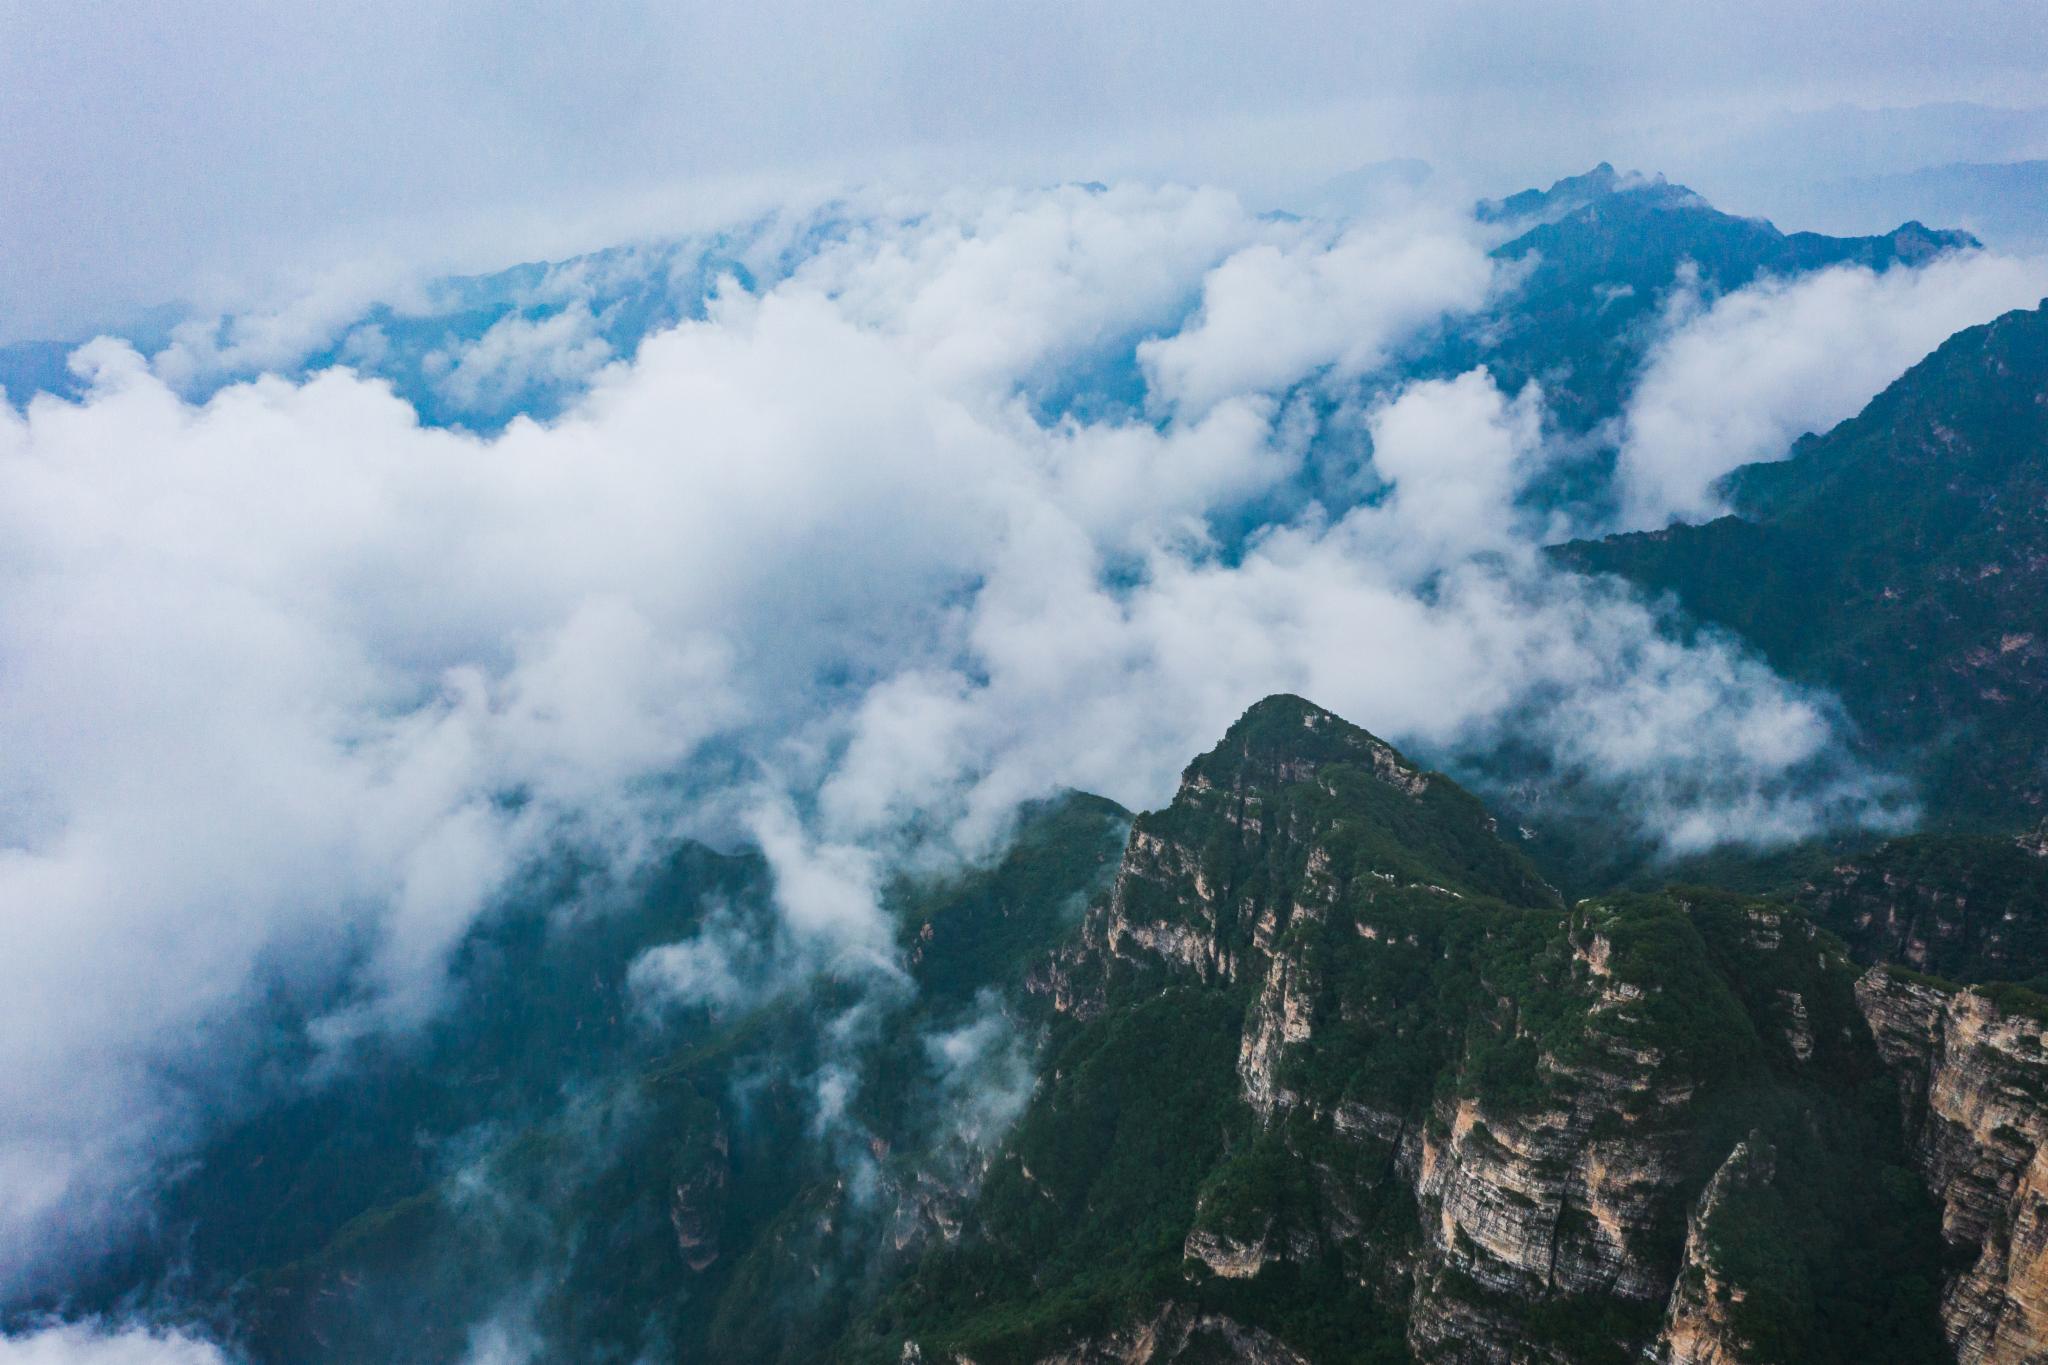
(1427, 999)
(1901, 561)
(536, 1159)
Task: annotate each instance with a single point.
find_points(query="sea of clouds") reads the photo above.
(918, 512)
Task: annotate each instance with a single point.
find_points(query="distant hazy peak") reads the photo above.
(1575, 192)
(1587, 195)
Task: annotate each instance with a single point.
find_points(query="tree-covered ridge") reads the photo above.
(1900, 560)
(1360, 1105)
(1316, 772)
(1967, 908)
(1341, 1080)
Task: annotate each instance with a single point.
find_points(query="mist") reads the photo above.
(836, 570)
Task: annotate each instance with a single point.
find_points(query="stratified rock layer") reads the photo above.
(1974, 1078)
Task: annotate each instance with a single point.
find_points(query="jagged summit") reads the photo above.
(1294, 811)
(1597, 256)
(1330, 1067)
(1629, 215)
(1289, 756)
(1298, 736)
(1575, 192)
(1604, 190)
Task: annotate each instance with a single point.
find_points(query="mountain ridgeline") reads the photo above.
(1900, 561)
(1324, 1071)
(1333, 1075)
(1310, 1065)
(1601, 253)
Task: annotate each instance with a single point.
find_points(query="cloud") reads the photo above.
(725, 963)
(1736, 380)
(1275, 312)
(1456, 454)
(294, 686)
(143, 156)
(519, 356)
(88, 1344)
(1008, 288)
(984, 1075)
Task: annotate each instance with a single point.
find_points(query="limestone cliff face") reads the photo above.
(1179, 1334)
(1974, 1079)
(1699, 1326)
(1574, 1198)
(1264, 877)
(1530, 1208)
(1183, 905)
(1491, 1122)
(1265, 836)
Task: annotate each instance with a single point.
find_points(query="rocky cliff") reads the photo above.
(1964, 907)
(1972, 1068)
(1699, 1320)
(1329, 1054)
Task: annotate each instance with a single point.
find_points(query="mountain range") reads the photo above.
(1323, 1061)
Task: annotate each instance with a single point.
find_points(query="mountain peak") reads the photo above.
(1575, 192)
(1291, 761)
(1290, 737)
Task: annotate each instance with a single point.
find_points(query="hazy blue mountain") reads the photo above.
(1603, 251)
(2003, 202)
(597, 307)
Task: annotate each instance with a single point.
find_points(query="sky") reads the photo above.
(990, 483)
(153, 153)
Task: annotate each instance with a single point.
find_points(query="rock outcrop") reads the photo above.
(696, 1205)
(1476, 1119)
(1699, 1326)
(1180, 1336)
(1974, 1081)
(1964, 907)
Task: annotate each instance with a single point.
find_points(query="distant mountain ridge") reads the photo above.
(1604, 249)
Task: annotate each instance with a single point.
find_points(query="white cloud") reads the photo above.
(292, 684)
(723, 964)
(1277, 311)
(984, 1074)
(1457, 453)
(1738, 380)
(519, 355)
(86, 1344)
(1002, 288)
